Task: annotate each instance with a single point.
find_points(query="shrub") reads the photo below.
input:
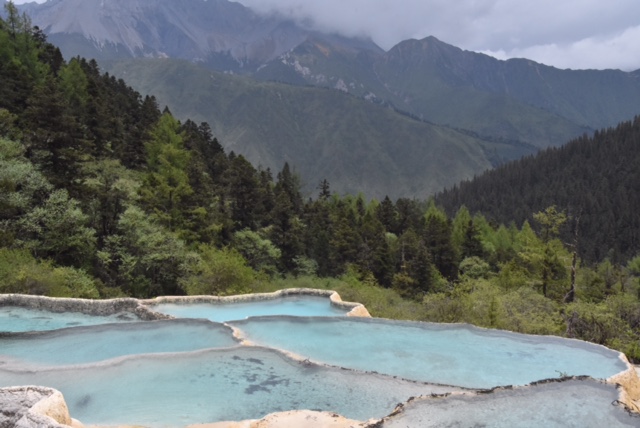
(219, 272)
(21, 273)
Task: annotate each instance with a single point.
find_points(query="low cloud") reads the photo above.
(620, 51)
(574, 34)
(566, 34)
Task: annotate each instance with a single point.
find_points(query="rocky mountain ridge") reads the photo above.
(517, 100)
(509, 108)
(219, 33)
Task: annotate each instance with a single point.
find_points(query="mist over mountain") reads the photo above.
(428, 78)
(215, 32)
(507, 108)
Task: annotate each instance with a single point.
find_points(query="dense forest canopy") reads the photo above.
(102, 194)
(595, 180)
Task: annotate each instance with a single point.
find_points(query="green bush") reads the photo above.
(594, 322)
(70, 282)
(526, 311)
(21, 273)
(219, 272)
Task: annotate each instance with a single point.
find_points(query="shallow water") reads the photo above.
(573, 403)
(90, 344)
(303, 306)
(458, 355)
(215, 385)
(177, 372)
(17, 319)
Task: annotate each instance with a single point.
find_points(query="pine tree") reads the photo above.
(437, 237)
(374, 254)
(55, 141)
(166, 183)
(243, 190)
(388, 215)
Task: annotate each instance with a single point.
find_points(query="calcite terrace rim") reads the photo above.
(629, 391)
(451, 326)
(96, 307)
(630, 410)
(355, 309)
(142, 308)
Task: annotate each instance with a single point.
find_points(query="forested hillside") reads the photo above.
(594, 179)
(407, 122)
(103, 194)
(361, 146)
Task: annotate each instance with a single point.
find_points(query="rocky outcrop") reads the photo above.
(33, 407)
(630, 391)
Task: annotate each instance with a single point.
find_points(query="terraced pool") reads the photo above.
(196, 369)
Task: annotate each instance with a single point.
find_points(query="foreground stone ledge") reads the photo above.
(474, 393)
(292, 419)
(630, 386)
(34, 407)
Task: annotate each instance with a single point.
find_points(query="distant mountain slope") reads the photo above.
(594, 98)
(356, 145)
(508, 108)
(515, 99)
(596, 179)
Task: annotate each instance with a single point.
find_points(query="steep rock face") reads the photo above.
(188, 29)
(219, 33)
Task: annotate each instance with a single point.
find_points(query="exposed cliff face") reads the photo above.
(189, 29)
(211, 31)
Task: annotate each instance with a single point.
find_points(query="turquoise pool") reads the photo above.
(190, 370)
(17, 318)
(458, 355)
(174, 390)
(301, 306)
(83, 345)
(572, 403)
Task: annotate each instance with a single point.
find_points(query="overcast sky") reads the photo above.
(574, 34)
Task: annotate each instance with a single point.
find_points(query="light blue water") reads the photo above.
(303, 306)
(574, 403)
(215, 385)
(446, 354)
(90, 344)
(166, 374)
(15, 319)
